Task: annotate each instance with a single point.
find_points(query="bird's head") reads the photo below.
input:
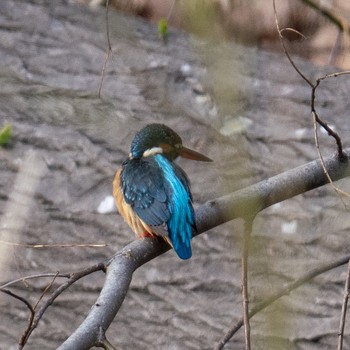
(160, 139)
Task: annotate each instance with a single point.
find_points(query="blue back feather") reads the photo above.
(181, 220)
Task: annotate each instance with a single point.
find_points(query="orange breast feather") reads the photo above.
(125, 210)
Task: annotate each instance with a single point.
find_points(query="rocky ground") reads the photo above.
(243, 107)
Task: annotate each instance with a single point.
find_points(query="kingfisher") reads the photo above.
(152, 193)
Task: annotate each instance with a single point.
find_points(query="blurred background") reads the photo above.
(324, 24)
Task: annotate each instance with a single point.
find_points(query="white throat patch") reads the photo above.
(152, 151)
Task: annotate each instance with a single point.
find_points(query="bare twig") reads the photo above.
(47, 288)
(331, 16)
(336, 188)
(334, 75)
(315, 116)
(245, 296)
(72, 279)
(29, 306)
(39, 275)
(343, 311)
(319, 121)
(293, 31)
(18, 297)
(58, 245)
(284, 291)
(108, 53)
(279, 30)
(340, 21)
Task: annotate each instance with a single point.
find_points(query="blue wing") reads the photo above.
(159, 192)
(181, 221)
(143, 188)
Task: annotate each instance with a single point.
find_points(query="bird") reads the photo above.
(152, 193)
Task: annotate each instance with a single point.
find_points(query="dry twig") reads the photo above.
(316, 118)
(343, 311)
(58, 245)
(29, 306)
(340, 22)
(34, 320)
(39, 275)
(245, 254)
(108, 53)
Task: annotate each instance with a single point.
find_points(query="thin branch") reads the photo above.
(340, 21)
(245, 254)
(334, 75)
(58, 245)
(324, 125)
(252, 200)
(284, 291)
(331, 16)
(47, 288)
(293, 31)
(18, 297)
(40, 275)
(108, 53)
(285, 49)
(31, 310)
(343, 311)
(329, 130)
(73, 278)
(336, 188)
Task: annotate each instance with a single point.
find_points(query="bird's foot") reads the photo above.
(146, 234)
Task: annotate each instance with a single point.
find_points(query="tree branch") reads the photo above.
(343, 310)
(243, 203)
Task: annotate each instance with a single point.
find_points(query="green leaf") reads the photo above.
(163, 28)
(5, 134)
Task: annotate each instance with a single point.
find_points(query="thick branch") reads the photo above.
(243, 203)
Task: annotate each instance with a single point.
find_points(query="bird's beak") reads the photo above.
(190, 154)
